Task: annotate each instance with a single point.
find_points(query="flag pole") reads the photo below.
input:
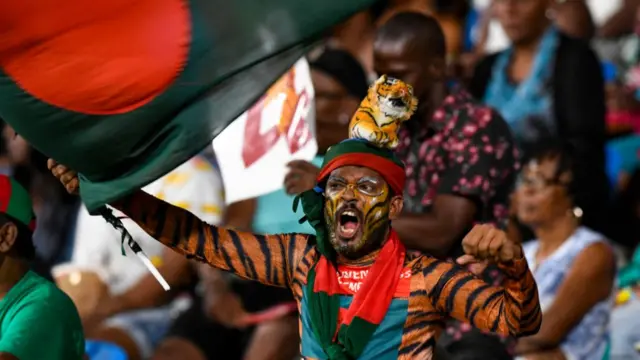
(116, 222)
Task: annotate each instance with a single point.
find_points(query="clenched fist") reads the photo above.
(67, 177)
(485, 243)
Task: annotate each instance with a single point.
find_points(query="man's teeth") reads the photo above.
(349, 213)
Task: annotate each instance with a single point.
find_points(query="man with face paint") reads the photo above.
(361, 295)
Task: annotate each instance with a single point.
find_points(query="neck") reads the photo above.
(11, 271)
(553, 235)
(525, 51)
(433, 101)
(364, 260)
(528, 48)
(4, 161)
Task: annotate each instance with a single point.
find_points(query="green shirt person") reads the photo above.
(37, 320)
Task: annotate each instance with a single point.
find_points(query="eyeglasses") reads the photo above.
(537, 182)
(368, 187)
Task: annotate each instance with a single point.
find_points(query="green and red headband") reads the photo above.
(356, 152)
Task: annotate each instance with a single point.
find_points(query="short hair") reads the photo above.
(345, 69)
(378, 9)
(416, 27)
(563, 154)
(23, 246)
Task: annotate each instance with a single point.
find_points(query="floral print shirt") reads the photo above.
(467, 150)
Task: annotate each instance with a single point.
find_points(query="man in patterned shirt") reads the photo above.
(360, 294)
(459, 155)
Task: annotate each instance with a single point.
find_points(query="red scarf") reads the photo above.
(372, 300)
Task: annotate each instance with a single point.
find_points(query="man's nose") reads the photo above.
(348, 194)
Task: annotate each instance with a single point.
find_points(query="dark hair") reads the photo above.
(457, 8)
(413, 26)
(562, 153)
(23, 246)
(377, 9)
(625, 224)
(344, 68)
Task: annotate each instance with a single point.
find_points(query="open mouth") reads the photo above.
(397, 102)
(348, 224)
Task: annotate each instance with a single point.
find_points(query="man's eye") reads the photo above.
(367, 188)
(335, 186)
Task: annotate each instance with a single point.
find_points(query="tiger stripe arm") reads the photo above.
(512, 309)
(269, 259)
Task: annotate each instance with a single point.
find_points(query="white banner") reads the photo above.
(253, 151)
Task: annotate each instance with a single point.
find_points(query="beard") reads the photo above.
(369, 241)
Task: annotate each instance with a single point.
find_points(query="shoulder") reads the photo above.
(574, 53)
(482, 74)
(569, 44)
(48, 294)
(585, 237)
(486, 62)
(44, 298)
(594, 250)
(529, 249)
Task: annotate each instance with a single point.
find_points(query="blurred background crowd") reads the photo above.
(565, 77)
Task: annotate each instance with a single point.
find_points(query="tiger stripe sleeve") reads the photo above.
(512, 309)
(269, 259)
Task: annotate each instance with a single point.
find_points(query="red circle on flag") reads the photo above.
(96, 57)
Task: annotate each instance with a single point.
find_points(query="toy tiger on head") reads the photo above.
(389, 102)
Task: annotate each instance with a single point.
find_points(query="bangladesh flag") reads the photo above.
(124, 91)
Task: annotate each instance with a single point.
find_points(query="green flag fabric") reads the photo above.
(124, 91)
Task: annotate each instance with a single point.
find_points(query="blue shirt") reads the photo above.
(274, 213)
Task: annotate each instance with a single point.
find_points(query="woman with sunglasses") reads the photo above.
(573, 265)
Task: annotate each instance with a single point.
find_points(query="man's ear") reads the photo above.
(8, 235)
(395, 208)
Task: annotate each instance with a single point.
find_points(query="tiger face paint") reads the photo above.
(357, 206)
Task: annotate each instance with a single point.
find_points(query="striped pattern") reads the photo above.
(378, 117)
(438, 289)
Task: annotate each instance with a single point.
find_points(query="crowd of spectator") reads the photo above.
(529, 118)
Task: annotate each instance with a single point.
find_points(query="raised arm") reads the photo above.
(269, 259)
(512, 309)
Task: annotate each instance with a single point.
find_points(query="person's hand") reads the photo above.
(67, 177)
(301, 177)
(485, 243)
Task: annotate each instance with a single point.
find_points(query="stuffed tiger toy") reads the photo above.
(389, 102)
